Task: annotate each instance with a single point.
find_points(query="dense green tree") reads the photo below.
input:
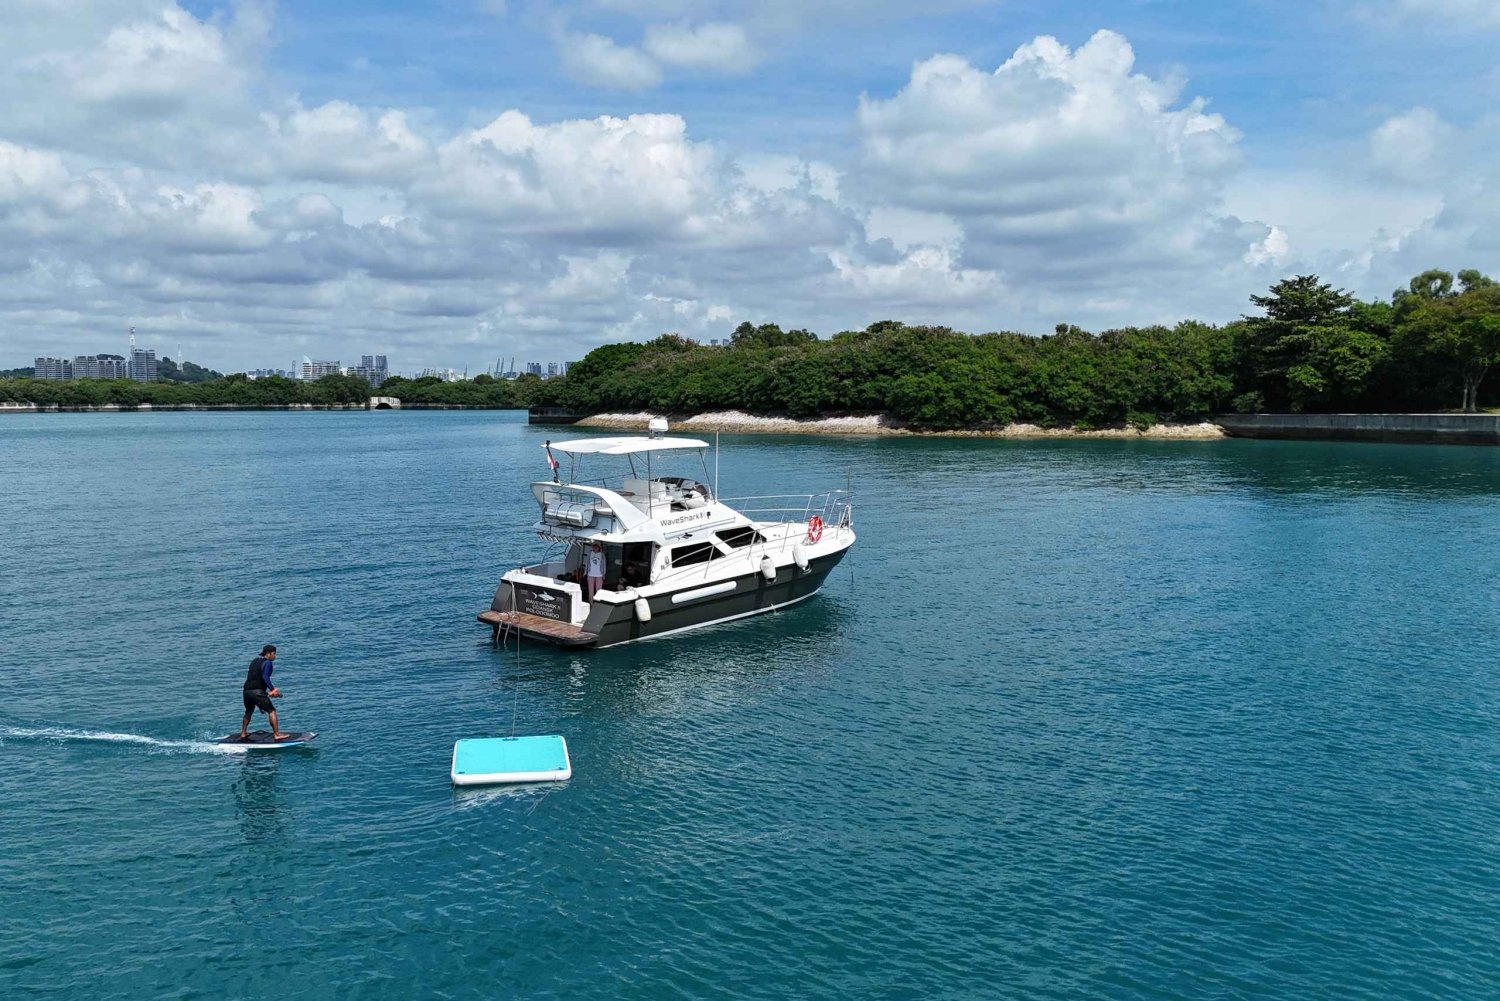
(1461, 327)
(168, 370)
(768, 335)
(1306, 353)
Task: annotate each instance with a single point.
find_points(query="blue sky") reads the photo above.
(451, 181)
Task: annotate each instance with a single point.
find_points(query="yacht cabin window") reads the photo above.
(697, 552)
(739, 538)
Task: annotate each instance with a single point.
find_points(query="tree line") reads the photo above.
(1311, 348)
(241, 391)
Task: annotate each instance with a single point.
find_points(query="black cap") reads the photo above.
(268, 648)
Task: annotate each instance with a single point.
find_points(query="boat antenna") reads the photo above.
(716, 465)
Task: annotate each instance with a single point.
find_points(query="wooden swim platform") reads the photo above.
(539, 627)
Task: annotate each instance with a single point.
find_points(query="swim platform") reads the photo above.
(493, 760)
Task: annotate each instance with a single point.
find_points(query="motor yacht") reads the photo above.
(676, 556)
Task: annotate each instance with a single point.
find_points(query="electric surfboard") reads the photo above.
(261, 740)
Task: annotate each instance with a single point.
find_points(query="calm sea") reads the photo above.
(1076, 720)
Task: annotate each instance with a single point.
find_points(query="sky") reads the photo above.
(453, 182)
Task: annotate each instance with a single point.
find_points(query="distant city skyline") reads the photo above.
(140, 365)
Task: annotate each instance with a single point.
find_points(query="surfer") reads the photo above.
(259, 692)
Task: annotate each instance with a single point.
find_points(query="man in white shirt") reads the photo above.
(596, 569)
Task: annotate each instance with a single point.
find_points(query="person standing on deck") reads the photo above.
(596, 569)
(259, 692)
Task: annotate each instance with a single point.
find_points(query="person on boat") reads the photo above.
(596, 569)
(259, 692)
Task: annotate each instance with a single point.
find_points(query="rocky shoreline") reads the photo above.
(738, 422)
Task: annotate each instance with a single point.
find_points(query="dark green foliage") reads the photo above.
(928, 376)
(1307, 352)
(1315, 348)
(1457, 330)
(167, 369)
(240, 391)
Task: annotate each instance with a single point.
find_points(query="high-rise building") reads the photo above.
(552, 370)
(266, 373)
(54, 368)
(371, 368)
(317, 369)
(142, 366)
(101, 367)
(534, 368)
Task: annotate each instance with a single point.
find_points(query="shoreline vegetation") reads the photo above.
(1316, 350)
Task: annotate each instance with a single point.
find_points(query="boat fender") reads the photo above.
(767, 568)
(799, 557)
(643, 610)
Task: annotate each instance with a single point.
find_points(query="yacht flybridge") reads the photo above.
(675, 556)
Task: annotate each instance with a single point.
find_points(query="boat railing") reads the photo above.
(834, 507)
(572, 508)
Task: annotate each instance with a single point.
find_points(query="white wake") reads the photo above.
(62, 734)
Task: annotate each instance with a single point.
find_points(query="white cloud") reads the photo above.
(339, 141)
(717, 48)
(207, 202)
(907, 228)
(1274, 249)
(595, 59)
(162, 59)
(1068, 170)
(605, 176)
(923, 277)
(1409, 146)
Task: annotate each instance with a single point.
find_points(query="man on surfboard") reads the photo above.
(259, 692)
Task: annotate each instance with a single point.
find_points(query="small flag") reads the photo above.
(550, 460)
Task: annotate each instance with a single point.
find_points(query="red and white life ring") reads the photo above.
(814, 528)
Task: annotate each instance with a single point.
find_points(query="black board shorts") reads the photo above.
(256, 698)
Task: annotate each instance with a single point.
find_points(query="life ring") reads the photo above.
(814, 528)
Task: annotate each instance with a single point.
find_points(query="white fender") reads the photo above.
(767, 568)
(643, 610)
(799, 556)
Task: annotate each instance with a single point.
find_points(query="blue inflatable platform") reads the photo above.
(493, 760)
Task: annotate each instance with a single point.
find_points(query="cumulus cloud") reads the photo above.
(718, 48)
(598, 60)
(1408, 147)
(1063, 168)
(339, 141)
(1455, 172)
(606, 176)
(208, 204)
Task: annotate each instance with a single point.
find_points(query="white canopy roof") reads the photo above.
(624, 446)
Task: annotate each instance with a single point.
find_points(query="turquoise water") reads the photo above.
(1075, 720)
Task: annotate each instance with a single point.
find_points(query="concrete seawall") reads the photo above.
(1426, 429)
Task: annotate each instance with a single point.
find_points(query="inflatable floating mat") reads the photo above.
(492, 760)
